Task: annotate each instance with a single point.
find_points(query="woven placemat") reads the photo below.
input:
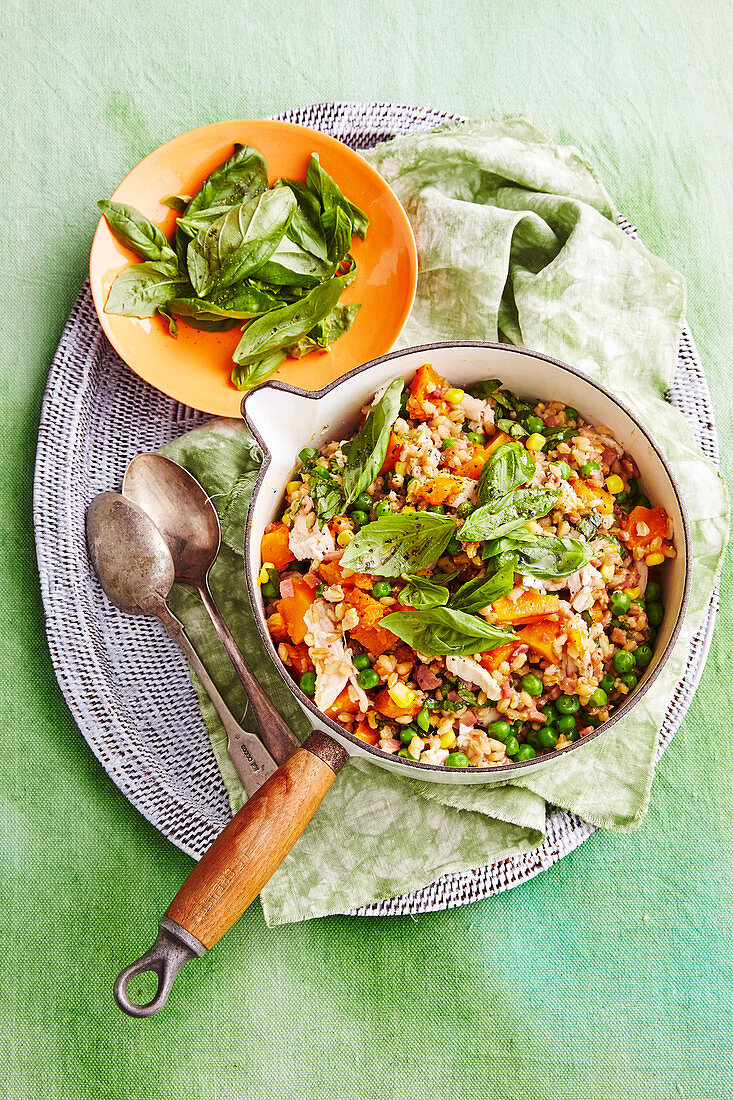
(125, 682)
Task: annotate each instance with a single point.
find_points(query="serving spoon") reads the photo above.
(186, 518)
(136, 571)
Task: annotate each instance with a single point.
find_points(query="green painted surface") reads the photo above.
(557, 989)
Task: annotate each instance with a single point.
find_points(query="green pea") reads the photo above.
(550, 712)
(423, 719)
(474, 437)
(653, 592)
(381, 588)
(308, 683)
(624, 661)
(568, 704)
(526, 752)
(620, 602)
(655, 613)
(531, 738)
(571, 413)
(563, 469)
(643, 501)
(269, 590)
(532, 684)
(630, 680)
(454, 546)
(359, 517)
(407, 733)
(406, 755)
(499, 730)
(607, 683)
(652, 633)
(361, 661)
(447, 444)
(456, 760)
(363, 501)
(463, 511)
(382, 508)
(368, 679)
(618, 623)
(547, 737)
(534, 424)
(572, 735)
(592, 720)
(599, 698)
(566, 723)
(308, 455)
(588, 468)
(512, 746)
(643, 655)
(438, 509)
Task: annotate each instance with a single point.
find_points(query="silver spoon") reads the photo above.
(188, 522)
(136, 571)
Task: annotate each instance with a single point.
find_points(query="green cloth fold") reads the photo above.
(517, 241)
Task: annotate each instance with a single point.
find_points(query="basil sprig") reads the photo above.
(402, 543)
(542, 556)
(513, 510)
(440, 631)
(482, 591)
(369, 446)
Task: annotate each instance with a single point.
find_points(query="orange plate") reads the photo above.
(195, 367)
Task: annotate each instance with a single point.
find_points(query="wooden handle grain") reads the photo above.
(255, 842)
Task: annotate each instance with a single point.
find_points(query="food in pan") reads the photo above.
(471, 579)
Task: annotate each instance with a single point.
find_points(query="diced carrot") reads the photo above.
(540, 636)
(365, 733)
(293, 608)
(643, 525)
(276, 626)
(436, 490)
(343, 705)
(424, 388)
(473, 466)
(494, 657)
(298, 656)
(275, 546)
(529, 608)
(375, 639)
(332, 573)
(394, 448)
(386, 705)
(593, 498)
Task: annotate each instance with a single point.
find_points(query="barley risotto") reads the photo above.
(472, 579)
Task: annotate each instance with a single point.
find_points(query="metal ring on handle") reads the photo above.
(172, 949)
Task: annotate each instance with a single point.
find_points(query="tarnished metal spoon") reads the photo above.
(136, 570)
(188, 522)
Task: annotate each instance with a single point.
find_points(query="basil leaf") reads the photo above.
(291, 265)
(557, 435)
(331, 196)
(440, 631)
(509, 466)
(369, 446)
(244, 299)
(511, 427)
(588, 525)
(241, 177)
(239, 242)
(484, 389)
(512, 511)
(483, 591)
(327, 499)
(283, 327)
(402, 543)
(543, 556)
(141, 289)
(136, 232)
(177, 202)
(339, 321)
(338, 230)
(244, 377)
(172, 326)
(422, 592)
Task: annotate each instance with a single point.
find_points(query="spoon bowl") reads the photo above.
(129, 554)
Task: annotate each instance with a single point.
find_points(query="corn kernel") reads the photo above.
(402, 696)
(448, 740)
(454, 396)
(633, 592)
(408, 508)
(654, 559)
(535, 442)
(293, 486)
(400, 468)
(344, 538)
(614, 484)
(607, 572)
(264, 574)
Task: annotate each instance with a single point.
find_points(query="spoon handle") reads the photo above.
(274, 730)
(258, 764)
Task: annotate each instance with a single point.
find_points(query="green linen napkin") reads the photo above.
(517, 241)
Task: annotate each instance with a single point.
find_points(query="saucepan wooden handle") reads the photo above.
(237, 865)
